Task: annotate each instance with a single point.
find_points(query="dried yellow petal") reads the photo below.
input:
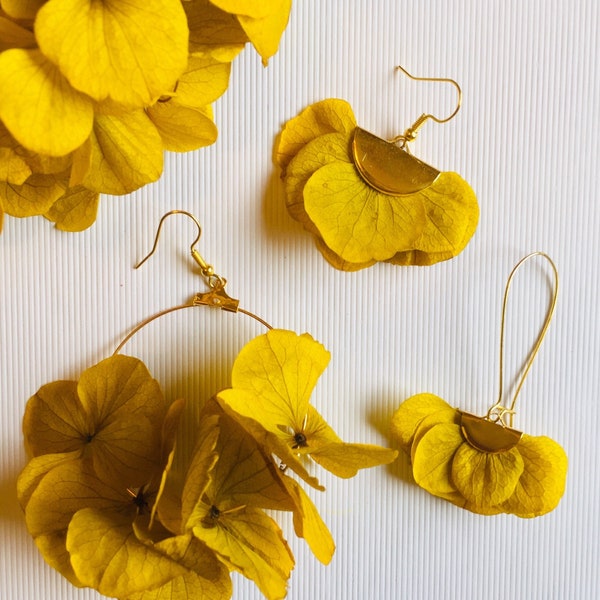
(12, 35)
(410, 414)
(265, 31)
(38, 105)
(327, 116)
(123, 153)
(206, 577)
(250, 542)
(130, 52)
(483, 478)
(13, 169)
(214, 32)
(357, 222)
(308, 523)
(183, 128)
(106, 555)
(75, 210)
(21, 9)
(542, 482)
(204, 80)
(432, 458)
(34, 197)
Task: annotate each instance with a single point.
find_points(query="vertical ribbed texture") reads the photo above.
(526, 139)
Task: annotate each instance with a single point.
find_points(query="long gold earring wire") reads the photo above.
(497, 412)
(216, 297)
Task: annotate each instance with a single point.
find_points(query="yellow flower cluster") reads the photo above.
(478, 464)
(94, 92)
(108, 511)
(356, 225)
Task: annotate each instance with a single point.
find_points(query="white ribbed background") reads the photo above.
(527, 141)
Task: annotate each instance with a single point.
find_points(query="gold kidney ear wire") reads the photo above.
(497, 412)
(215, 297)
(411, 133)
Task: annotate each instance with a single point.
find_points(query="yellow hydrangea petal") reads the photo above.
(542, 482)
(204, 80)
(127, 410)
(55, 421)
(21, 9)
(12, 35)
(38, 105)
(75, 210)
(337, 261)
(486, 479)
(213, 31)
(243, 475)
(338, 457)
(276, 443)
(265, 32)
(444, 416)
(251, 542)
(131, 52)
(36, 469)
(327, 116)
(280, 368)
(63, 491)
(432, 459)
(13, 169)
(308, 523)
(357, 222)
(411, 413)
(182, 128)
(123, 153)
(206, 577)
(249, 8)
(452, 209)
(106, 555)
(34, 197)
(323, 150)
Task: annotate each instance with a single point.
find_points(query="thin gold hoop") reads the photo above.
(215, 297)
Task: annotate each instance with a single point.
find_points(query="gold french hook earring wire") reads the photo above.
(216, 297)
(411, 133)
(498, 412)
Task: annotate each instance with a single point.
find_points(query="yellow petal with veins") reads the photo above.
(486, 479)
(131, 52)
(38, 105)
(34, 197)
(183, 128)
(542, 483)
(123, 153)
(75, 210)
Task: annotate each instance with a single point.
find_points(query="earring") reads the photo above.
(366, 199)
(107, 505)
(482, 463)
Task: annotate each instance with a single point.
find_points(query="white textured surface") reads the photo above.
(527, 141)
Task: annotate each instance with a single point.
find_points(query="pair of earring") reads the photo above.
(367, 199)
(111, 508)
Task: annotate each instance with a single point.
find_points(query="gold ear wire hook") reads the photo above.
(214, 281)
(411, 133)
(498, 411)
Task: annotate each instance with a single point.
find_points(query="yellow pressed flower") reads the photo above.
(477, 464)
(129, 52)
(112, 418)
(356, 223)
(228, 482)
(272, 381)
